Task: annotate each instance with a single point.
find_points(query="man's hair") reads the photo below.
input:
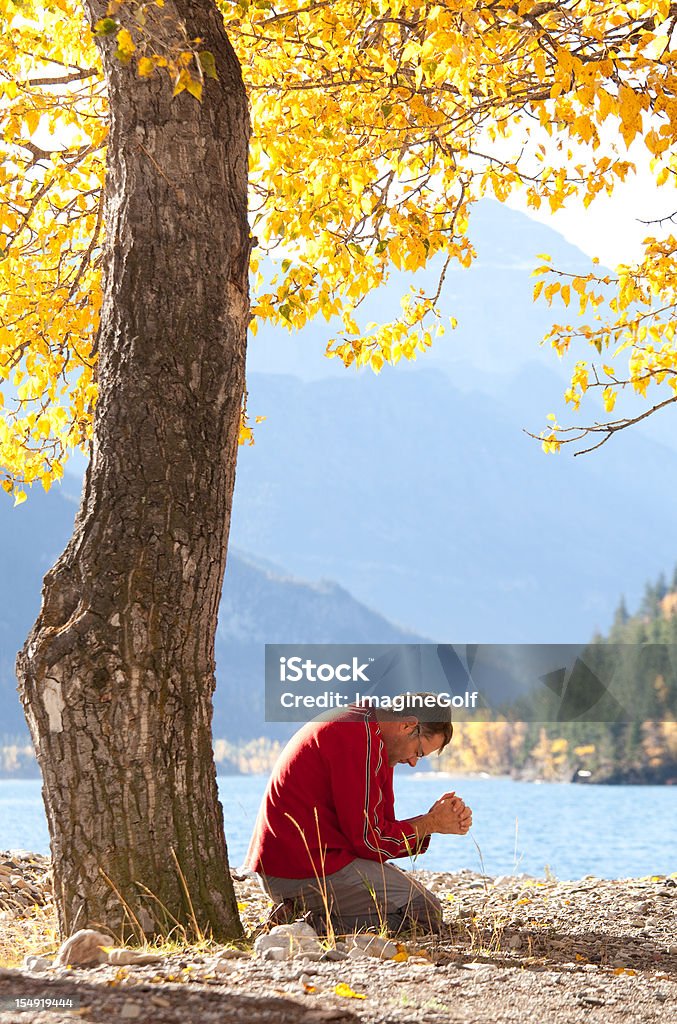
(432, 710)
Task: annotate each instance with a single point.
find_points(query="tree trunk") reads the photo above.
(117, 675)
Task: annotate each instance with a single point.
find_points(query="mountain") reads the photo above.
(499, 326)
(261, 604)
(417, 491)
(431, 504)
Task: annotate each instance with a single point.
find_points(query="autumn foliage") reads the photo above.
(377, 127)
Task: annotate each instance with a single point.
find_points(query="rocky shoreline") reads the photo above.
(571, 951)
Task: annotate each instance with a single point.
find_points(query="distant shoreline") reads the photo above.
(614, 777)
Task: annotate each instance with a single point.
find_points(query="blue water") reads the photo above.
(607, 831)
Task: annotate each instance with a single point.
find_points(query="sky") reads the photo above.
(611, 229)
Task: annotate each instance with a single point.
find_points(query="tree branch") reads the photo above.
(608, 429)
(63, 79)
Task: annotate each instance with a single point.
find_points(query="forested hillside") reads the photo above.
(627, 731)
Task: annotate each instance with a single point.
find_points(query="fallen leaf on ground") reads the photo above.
(346, 991)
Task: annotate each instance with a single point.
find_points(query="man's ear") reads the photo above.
(408, 723)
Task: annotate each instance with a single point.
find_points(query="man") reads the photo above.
(327, 829)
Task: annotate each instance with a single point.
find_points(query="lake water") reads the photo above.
(573, 830)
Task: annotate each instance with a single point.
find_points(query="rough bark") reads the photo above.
(117, 675)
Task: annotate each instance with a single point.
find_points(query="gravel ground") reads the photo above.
(515, 948)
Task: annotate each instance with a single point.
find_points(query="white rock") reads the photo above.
(36, 963)
(84, 947)
(130, 1011)
(299, 929)
(228, 960)
(275, 953)
(265, 943)
(297, 939)
(124, 957)
(312, 955)
(372, 945)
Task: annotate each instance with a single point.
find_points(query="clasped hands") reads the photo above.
(450, 815)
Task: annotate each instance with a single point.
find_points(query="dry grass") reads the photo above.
(34, 932)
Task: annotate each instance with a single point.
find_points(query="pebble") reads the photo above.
(36, 963)
(286, 941)
(590, 925)
(335, 954)
(128, 957)
(372, 945)
(25, 881)
(130, 1011)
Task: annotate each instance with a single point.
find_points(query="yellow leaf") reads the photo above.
(126, 46)
(194, 87)
(33, 118)
(609, 398)
(346, 991)
(182, 80)
(145, 67)
(19, 498)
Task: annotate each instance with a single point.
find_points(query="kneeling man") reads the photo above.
(327, 830)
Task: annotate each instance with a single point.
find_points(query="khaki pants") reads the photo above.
(363, 894)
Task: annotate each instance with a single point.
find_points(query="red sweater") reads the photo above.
(330, 800)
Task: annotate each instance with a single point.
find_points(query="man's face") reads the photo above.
(406, 743)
